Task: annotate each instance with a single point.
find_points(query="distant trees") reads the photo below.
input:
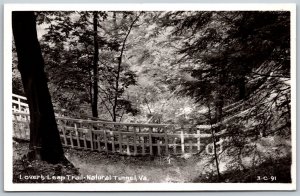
(72, 45)
(216, 58)
(116, 75)
(88, 46)
(221, 51)
(45, 141)
(227, 57)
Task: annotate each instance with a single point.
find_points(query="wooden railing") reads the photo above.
(123, 138)
(19, 104)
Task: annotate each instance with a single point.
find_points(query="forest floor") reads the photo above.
(117, 168)
(96, 167)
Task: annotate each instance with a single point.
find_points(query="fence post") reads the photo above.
(128, 147)
(175, 145)
(120, 140)
(64, 131)
(191, 146)
(134, 141)
(112, 141)
(105, 140)
(158, 147)
(77, 134)
(98, 141)
(182, 140)
(71, 139)
(91, 136)
(166, 141)
(84, 141)
(150, 141)
(198, 140)
(19, 104)
(143, 145)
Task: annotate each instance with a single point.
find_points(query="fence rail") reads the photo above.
(19, 104)
(124, 138)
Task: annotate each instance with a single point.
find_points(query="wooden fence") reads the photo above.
(124, 138)
(19, 104)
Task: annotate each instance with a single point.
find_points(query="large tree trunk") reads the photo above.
(95, 67)
(45, 143)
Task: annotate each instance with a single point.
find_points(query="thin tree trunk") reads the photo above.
(148, 105)
(219, 102)
(219, 108)
(213, 137)
(45, 143)
(119, 70)
(95, 67)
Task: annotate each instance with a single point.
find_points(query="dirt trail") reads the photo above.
(110, 168)
(146, 169)
(129, 169)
